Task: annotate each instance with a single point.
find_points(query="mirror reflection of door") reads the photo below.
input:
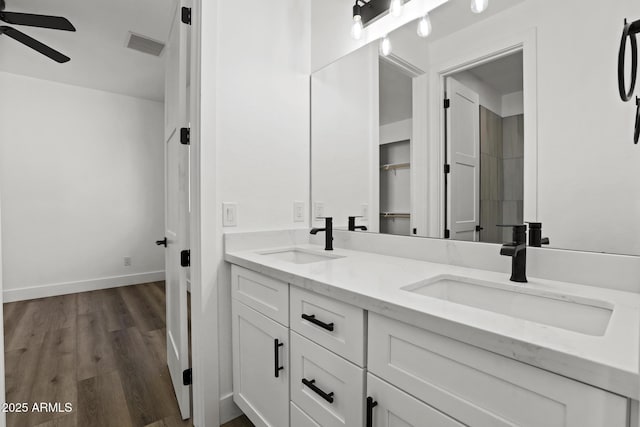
(485, 148)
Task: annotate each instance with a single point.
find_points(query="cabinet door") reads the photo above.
(483, 389)
(388, 406)
(260, 367)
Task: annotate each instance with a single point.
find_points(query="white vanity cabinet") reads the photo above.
(480, 388)
(260, 347)
(302, 359)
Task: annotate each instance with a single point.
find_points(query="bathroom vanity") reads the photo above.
(353, 338)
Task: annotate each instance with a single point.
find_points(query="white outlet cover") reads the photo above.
(318, 209)
(298, 211)
(364, 211)
(229, 214)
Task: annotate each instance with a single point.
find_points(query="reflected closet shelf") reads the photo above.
(394, 166)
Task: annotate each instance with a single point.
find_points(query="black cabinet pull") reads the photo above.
(311, 384)
(312, 318)
(370, 405)
(276, 356)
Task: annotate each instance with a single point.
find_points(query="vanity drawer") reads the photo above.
(480, 388)
(300, 419)
(393, 407)
(333, 389)
(330, 323)
(264, 294)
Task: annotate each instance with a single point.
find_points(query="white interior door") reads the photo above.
(463, 130)
(176, 210)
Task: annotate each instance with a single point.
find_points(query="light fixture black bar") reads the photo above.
(372, 9)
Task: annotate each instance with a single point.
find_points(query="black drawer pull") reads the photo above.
(276, 356)
(316, 389)
(312, 318)
(370, 405)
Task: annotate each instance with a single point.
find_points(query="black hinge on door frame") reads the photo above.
(447, 168)
(447, 103)
(186, 15)
(447, 234)
(185, 136)
(185, 258)
(187, 377)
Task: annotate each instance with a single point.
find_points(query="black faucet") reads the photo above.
(328, 233)
(535, 235)
(517, 250)
(353, 226)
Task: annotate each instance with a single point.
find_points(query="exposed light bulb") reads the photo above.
(424, 26)
(357, 28)
(385, 46)
(395, 8)
(479, 6)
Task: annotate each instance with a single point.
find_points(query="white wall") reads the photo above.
(81, 173)
(255, 112)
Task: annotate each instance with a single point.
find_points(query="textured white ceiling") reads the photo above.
(99, 58)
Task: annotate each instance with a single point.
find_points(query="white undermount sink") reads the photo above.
(583, 315)
(299, 256)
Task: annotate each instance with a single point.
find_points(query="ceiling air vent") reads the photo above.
(144, 44)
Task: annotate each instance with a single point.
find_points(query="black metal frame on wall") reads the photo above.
(629, 31)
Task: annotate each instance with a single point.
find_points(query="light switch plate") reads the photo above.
(229, 214)
(298, 211)
(364, 211)
(318, 210)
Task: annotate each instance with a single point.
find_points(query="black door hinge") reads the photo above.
(186, 15)
(447, 103)
(185, 258)
(185, 136)
(447, 168)
(187, 378)
(447, 234)
(415, 231)
(479, 229)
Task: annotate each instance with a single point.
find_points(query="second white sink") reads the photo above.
(299, 256)
(586, 316)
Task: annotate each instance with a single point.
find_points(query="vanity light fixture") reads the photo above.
(395, 8)
(356, 29)
(479, 6)
(385, 46)
(424, 26)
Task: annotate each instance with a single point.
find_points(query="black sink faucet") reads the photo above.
(353, 226)
(535, 235)
(328, 233)
(517, 250)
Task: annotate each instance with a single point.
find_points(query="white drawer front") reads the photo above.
(480, 388)
(331, 323)
(264, 294)
(394, 408)
(300, 419)
(329, 374)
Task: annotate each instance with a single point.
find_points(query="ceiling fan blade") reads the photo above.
(42, 21)
(34, 44)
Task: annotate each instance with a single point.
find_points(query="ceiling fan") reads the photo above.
(31, 20)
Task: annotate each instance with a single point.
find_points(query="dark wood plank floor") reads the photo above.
(102, 351)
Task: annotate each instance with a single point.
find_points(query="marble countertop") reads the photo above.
(375, 282)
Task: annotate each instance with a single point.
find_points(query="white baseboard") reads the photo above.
(55, 289)
(228, 409)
